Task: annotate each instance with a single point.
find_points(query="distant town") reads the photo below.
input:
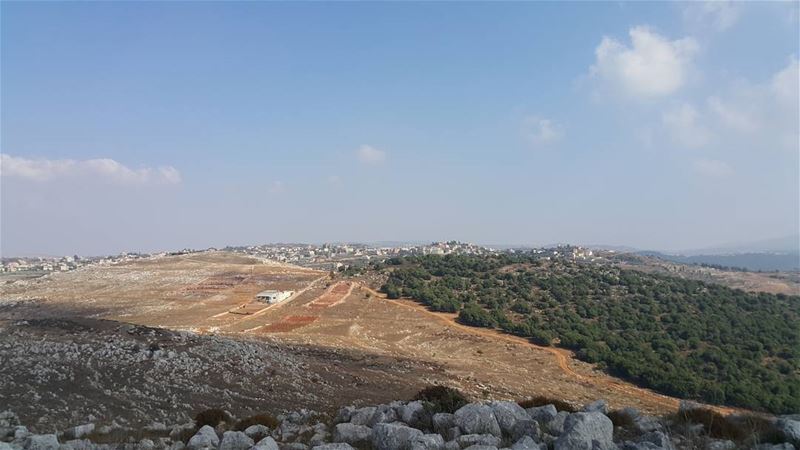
(323, 257)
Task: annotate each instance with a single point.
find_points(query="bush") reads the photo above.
(442, 399)
(736, 427)
(541, 400)
(258, 419)
(211, 417)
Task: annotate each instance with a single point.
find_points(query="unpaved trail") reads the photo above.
(562, 356)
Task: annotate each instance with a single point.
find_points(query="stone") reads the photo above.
(428, 442)
(525, 427)
(352, 434)
(257, 432)
(41, 442)
(482, 447)
(205, 438)
(720, 444)
(393, 436)
(526, 443)
(586, 431)
(413, 414)
(339, 446)
(362, 416)
(783, 446)
(658, 438)
(507, 415)
(235, 440)
(293, 446)
(146, 444)
(268, 443)
(468, 440)
(344, 414)
(383, 414)
(451, 445)
(80, 431)
(475, 418)
(789, 430)
(556, 425)
(453, 433)
(542, 414)
(442, 422)
(596, 406)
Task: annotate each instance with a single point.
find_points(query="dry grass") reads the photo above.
(748, 428)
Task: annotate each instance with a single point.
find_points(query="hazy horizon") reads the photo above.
(157, 126)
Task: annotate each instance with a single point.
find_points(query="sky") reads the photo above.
(156, 126)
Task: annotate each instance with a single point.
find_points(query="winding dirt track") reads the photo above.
(562, 356)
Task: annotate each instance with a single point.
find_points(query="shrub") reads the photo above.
(541, 400)
(620, 418)
(211, 417)
(442, 399)
(258, 419)
(736, 427)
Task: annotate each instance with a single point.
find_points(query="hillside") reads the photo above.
(681, 337)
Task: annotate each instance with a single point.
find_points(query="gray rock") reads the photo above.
(344, 414)
(596, 406)
(784, 446)
(80, 431)
(507, 414)
(556, 425)
(318, 438)
(542, 414)
(477, 419)
(720, 444)
(789, 429)
(266, 444)
(428, 442)
(80, 444)
(393, 436)
(453, 433)
(442, 422)
(451, 445)
(352, 434)
(339, 446)
(235, 440)
(658, 438)
(527, 443)
(146, 444)
(383, 414)
(293, 446)
(482, 447)
(586, 431)
(257, 432)
(362, 416)
(41, 442)
(178, 445)
(525, 427)
(468, 440)
(414, 414)
(205, 438)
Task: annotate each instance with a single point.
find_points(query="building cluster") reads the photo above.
(43, 265)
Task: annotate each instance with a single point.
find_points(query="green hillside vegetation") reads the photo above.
(680, 337)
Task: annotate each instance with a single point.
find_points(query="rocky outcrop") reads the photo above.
(497, 425)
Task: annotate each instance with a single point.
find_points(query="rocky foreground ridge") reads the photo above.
(415, 425)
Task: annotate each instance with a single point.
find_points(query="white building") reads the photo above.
(272, 296)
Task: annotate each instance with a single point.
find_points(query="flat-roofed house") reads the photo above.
(272, 296)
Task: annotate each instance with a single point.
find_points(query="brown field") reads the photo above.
(213, 293)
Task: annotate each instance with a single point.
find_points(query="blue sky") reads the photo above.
(145, 126)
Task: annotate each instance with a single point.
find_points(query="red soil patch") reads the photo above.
(332, 296)
(289, 323)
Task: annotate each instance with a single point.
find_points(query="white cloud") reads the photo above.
(718, 14)
(370, 155)
(42, 170)
(334, 179)
(734, 117)
(652, 66)
(684, 125)
(784, 84)
(712, 168)
(541, 132)
(277, 187)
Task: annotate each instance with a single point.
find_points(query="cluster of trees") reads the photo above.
(681, 337)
